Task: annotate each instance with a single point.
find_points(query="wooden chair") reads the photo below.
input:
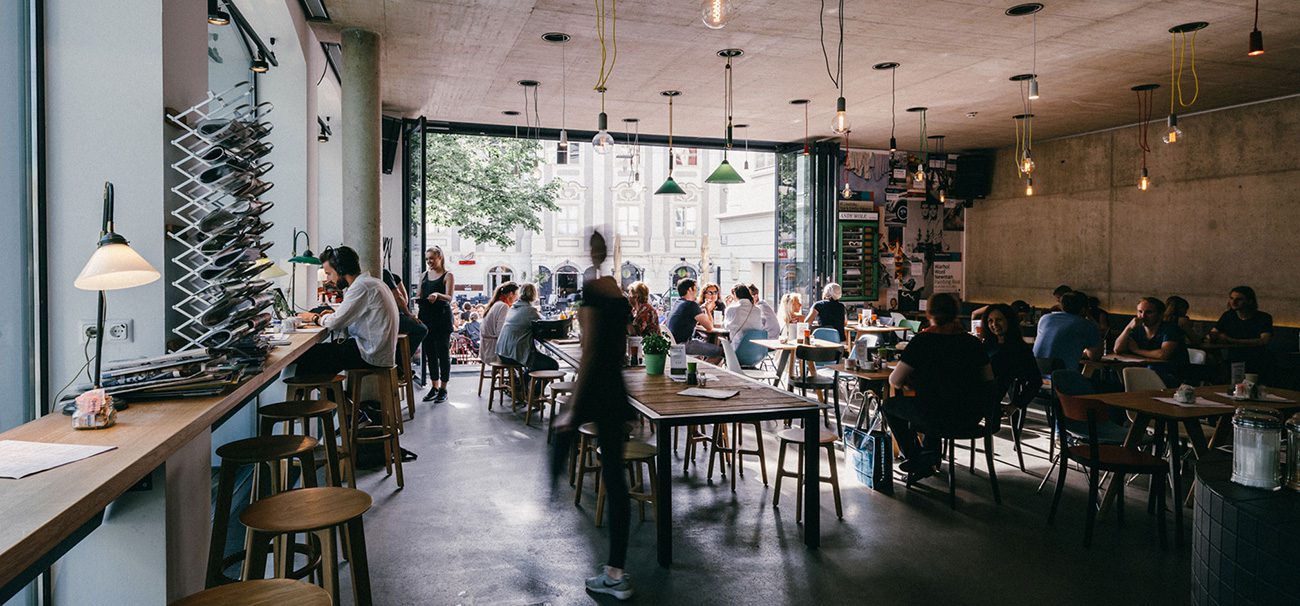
(795, 436)
(1013, 412)
(984, 429)
(728, 440)
(323, 512)
(806, 360)
(405, 377)
(291, 413)
(635, 455)
(330, 388)
(388, 427)
(281, 592)
(1098, 457)
(538, 381)
(585, 461)
(560, 392)
(505, 377)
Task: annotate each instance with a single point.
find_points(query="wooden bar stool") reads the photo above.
(280, 592)
(484, 372)
(504, 378)
(305, 411)
(321, 512)
(558, 389)
(329, 387)
(538, 381)
(695, 436)
(795, 436)
(585, 461)
(635, 455)
(387, 427)
(266, 451)
(405, 384)
(727, 447)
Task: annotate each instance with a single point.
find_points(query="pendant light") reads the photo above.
(807, 143)
(1256, 37)
(1024, 141)
(533, 123)
(745, 127)
(259, 65)
(938, 149)
(717, 13)
(1144, 95)
(670, 187)
(725, 173)
(892, 66)
(634, 143)
(216, 16)
(603, 141)
(1031, 9)
(919, 175)
(1177, 58)
(560, 38)
(840, 122)
(1023, 133)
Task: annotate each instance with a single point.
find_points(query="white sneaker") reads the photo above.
(601, 583)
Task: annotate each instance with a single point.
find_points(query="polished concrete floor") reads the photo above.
(480, 522)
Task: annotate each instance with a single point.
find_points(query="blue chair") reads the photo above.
(748, 353)
(826, 333)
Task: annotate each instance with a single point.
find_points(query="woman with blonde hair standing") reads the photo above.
(437, 286)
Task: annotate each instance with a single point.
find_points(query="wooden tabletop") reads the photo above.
(1119, 361)
(42, 510)
(1145, 402)
(870, 375)
(862, 328)
(777, 345)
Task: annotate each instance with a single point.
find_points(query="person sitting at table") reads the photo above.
(743, 315)
(686, 316)
(1093, 312)
(1065, 336)
(770, 321)
(1009, 355)
(829, 312)
(515, 341)
(645, 320)
(1245, 330)
(498, 308)
(473, 329)
(1058, 293)
(367, 316)
(791, 309)
(946, 368)
(407, 322)
(1176, 309)
(1149, 336)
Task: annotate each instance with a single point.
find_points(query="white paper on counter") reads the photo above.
(702, 392)
(1199, 403)
(20, 459)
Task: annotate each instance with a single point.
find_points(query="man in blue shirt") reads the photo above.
(683, 319)
(1149, 336)
(1066, 336)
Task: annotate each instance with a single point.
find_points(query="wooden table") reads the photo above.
(657, 398)
(48, 513)
(1148, 410)
(782, 365)
(713, 335)
(1114, 363)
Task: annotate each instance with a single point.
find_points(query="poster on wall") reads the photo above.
(948, 277)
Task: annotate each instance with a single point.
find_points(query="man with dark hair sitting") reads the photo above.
(950, 374)
(1066, 335)
(685, 317)
(368, 317)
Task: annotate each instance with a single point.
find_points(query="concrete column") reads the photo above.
(362, 140)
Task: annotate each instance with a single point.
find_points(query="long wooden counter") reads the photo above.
(45, 514)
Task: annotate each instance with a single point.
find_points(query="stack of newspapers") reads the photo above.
(189, 373)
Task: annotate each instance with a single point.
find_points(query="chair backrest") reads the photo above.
(1079, 408)
(897, 318)
(729, 354)
(912, 326)
(1072, 383)
(749, 353)
(809, 353)
(1196, 356)
(1142, 379)
(826, 333)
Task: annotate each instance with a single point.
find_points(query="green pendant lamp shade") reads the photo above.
(725, 173)
(670, 186)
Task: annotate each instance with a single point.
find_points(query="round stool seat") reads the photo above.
(266, 448)
(636, 450)
(277, 592)
(313, 379)
(562, 387)
(297, 409)
(795, 434)
(588, 429)
(504, 364)
(551, 375)
(306, 509)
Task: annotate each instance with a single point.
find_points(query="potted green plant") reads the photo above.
(656, 352)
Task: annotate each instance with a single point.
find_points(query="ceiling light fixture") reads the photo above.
(1031, 9)
(1024, 140)
(922, 158)
(533, 125)
(1024, 126)
(560, 38)
(840, 123)
(892, 66)
(725, 173)
(941, 176)
(603, 141)
(216, 16)
(717, 13)
(1256, 37)
(670, 187)
(1177, 58)
(745, 127)
(259, 65)
(634, 141)
(1145, 92)
(807, 144)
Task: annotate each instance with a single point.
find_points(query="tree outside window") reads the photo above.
(685, 219)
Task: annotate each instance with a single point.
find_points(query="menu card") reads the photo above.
(20, 459)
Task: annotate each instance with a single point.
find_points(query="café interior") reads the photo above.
(1024, 328)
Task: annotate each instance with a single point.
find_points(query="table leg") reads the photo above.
(1135, 433)
(1200, 447)
(1222, 432)
(812, 470)
(1175, 471)
(664, 495)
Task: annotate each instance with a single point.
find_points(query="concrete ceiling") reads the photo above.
(459, 60)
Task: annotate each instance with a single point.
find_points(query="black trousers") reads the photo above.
(437, 351)
(331, 359)
(611, 437)
(907, 417)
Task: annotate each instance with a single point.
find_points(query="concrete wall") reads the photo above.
(1222, 211)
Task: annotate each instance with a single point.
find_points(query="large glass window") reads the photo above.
(566, 220)
(18, 360)
(628, 220)
(685, 219)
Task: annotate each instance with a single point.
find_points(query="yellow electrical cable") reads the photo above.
(605, 71)
(1176, 81)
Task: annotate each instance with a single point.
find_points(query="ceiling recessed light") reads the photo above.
(556, 37)
(1188, 28)
(1021, 10)
(510, 112)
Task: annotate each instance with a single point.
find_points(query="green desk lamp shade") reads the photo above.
(306, 258)
(725, 174)
(670, 187)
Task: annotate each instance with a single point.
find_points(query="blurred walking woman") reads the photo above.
(436, 288)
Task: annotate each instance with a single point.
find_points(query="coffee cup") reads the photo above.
(1185, 395)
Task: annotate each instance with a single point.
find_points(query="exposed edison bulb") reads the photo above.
(564, 139)
(1027, 163)
(840, 123)
(717, 13)
(1029, 187)
(1174, 134)
(1144, 183)
(943, 196)
(919, 175)
(603, 141)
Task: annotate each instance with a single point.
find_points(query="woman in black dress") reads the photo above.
(436, 288)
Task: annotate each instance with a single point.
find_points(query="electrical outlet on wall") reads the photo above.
(114, 330)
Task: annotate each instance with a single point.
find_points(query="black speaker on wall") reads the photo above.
(974, 178)
(392, 132)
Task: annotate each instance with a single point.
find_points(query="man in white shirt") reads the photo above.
(367, 316)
